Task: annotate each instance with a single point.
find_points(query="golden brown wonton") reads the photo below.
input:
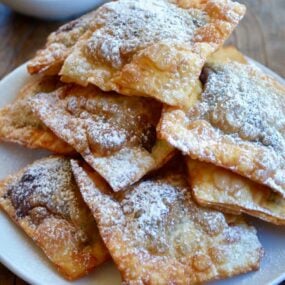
(156, 234)
(152, 48)
(18, 124)
(238, 123)
(50, 59)
(115, 134)
(227, 54)
(44, 200)
(224, 190)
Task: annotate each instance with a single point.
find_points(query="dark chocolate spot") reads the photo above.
(20, 193)
(148, 138)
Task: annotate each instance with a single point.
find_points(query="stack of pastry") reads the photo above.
(163, 140)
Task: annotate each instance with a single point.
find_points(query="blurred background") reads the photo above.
(261, 35)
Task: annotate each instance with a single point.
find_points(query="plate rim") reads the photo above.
(5, 261)
(10, 266)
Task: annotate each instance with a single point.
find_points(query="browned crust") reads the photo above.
(55, 234)
(123, 167)
(35, 139)
(59, 43)
(19, 125)
(137, 267)
(239, 194)
(199, 140)
(175, 81)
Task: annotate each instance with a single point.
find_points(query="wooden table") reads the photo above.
(261, 35)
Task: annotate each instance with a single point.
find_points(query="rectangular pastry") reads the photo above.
(157, 234)
(44, 200)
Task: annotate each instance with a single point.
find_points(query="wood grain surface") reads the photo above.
(261, 35)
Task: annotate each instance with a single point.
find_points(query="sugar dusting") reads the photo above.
(18, 115)
(156, 233)
(237, 123)
(243, 106)
(115, 134)
(45, 201)
(49, 184)
(111, 122)
(69, 33)
(130, 26)
(59, 44)
(123, 167)
(148, 203)
(248, 108)
(151, 48)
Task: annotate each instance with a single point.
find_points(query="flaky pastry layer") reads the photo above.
(115, 134)
(18, 124)
(44, 200)
(156, 233)
(237, 123)
(226, 191)
(58, 46)
(152, 48)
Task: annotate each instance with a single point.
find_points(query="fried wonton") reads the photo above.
(115, 134)
(227, 54)
(229, 192)
(50, 59)
(238, 123)
(152, 48)
(18, 124)
(44, 200)
(156, 234)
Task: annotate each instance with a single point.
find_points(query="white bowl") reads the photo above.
(53, 9)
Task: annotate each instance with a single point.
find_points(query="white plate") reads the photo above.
(20, 255)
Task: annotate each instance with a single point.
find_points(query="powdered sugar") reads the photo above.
(151, 48)
(69, 33)
(126, 165)
(148, 204)
(18, 115)
(115, 134)
(59, 44)
(159, 235)
(241, 104)
(112, 121)
(237, 123)
(130, 26)
(48, 183)
(44, 200)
